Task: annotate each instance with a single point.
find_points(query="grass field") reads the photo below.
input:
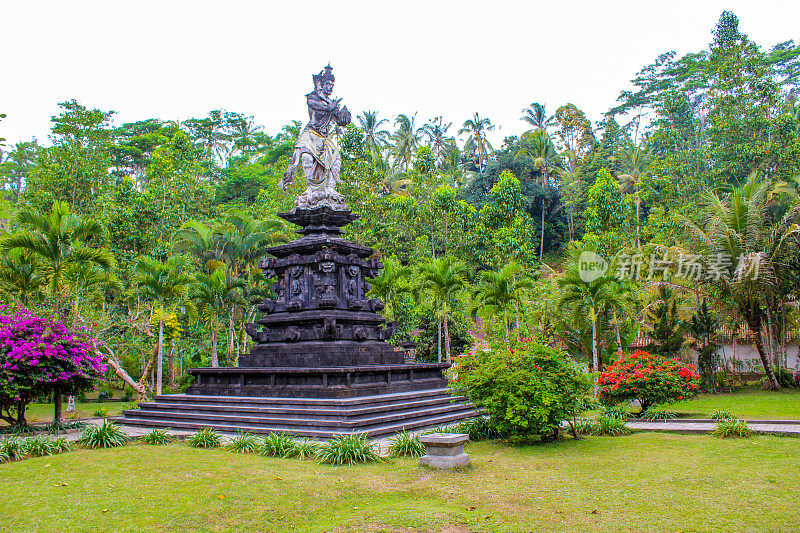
(43, 412)
(643, 482)
(750, 404)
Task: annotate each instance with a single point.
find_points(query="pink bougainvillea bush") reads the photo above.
(649, 378)
(38, 353)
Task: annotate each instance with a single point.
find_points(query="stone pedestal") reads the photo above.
(444, 450)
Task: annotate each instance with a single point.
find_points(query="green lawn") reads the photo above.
(643, 482)
(750, 404)
(43, 412)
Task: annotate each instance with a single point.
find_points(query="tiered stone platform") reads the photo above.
(321, 365)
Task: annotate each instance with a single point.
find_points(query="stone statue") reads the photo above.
(317, 150)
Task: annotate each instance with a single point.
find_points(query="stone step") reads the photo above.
(318, 431)
(257, 401)
(348, 422)
(298, 412)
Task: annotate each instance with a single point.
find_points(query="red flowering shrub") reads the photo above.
(649, 378)
(36, 354)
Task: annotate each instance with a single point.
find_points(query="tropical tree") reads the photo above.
(58, 241)
(442, 279)
(167, 285)
(406, 140)
(213, 295)
(745, 252)
(499, 293)
(436, 132)
(202, 242)
(634, 160)
(536, 116)
(20, 277)
(476, 128)
(537, 145)
(374, 137)
(89, 283)
(391, 283)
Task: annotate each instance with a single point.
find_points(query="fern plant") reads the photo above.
(243, 443)
(348, 450)
(406, 445)
(205, 438)
(157, 437)
(105, 435)
(276, 445)
(303, 449)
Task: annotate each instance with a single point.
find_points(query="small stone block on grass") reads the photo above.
(444, 450)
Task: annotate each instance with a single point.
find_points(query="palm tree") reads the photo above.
(167, 285)
(244, 241)
(634, 160)
(374, 137)
(436, 132)
(748, 249)
(58, 240)
(200, 241)
(406, 140)
(213, 295)
(536, 116)
(498, 292)
(89, 282)
(391, 283)
(476, 127)
(597, 298)
(537, 145)
(442, 279)
(19, 277)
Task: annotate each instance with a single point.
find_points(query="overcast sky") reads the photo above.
(175, 60)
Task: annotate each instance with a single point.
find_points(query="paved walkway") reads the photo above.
(703, 425)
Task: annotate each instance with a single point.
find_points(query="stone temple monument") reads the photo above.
(321, 364)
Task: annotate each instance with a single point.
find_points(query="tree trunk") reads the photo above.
(111, 360)
(541, 240)
(447, 340)
(75, 307)
(439, 340)
(595, 356)
(771, 378)
(171, 364)
(57, 418)
(230, 336)
(214, 358)
(21, 420)
(160, 361)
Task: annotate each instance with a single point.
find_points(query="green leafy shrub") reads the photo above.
(658, 412)
(104, 396)
(478, 428)
(10, 449)
(649, 378)
(348, 450)
(406, 445)
(105, 435)
(243, 443)
(276, 445)
(720, 414)
(101, 412)
(303, 449)
(527, 391)
(157, 437)
(60, 445)
(205, 438)
(730, 427)
(38, 446)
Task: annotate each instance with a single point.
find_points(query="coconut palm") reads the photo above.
(597, 297)
(537, 145)
(536, 116)
(499, 293)
(476, 128)
(374, 137)
(746, 250)
(436, 132)
(406, 140)
(58, 240)
(213, 295)
(167, 285)
(634, 160)
(442, 279)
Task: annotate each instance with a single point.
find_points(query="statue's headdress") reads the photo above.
(324, 75)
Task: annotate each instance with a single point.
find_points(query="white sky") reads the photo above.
(175, 60)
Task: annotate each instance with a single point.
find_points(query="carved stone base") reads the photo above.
(309, 354)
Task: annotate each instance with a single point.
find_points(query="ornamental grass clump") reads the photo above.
(105, 435)
(276, 445)
(38, 446)
(478, 428)
(730, 427)
(348, 450)
(157, 437)
(205, 438)
(406, 445)
(720, 414)
(10, 449)
(304, 448)
(527, 390)
(60, 445)
(649, 378)
(242, 443)
(658, 412)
